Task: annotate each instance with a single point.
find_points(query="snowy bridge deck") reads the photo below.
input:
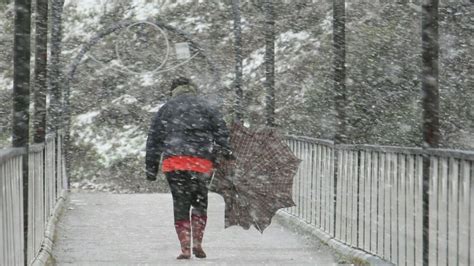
(112, 229)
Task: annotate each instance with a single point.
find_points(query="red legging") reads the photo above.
(188, 189)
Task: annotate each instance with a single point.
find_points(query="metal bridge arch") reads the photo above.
(119, 26)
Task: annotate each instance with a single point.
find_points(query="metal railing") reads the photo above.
(379, 201)
(370, 198)
(451, 208)
(313, 188)
(11, 206)
(46, 181)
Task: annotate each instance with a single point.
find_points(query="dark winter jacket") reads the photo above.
(186, 125)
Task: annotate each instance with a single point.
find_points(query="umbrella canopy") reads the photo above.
(260, 181)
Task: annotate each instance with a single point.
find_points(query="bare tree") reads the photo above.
(430, 91)
(339, 42)
(238, 109)
(269, 61)
(40, 72)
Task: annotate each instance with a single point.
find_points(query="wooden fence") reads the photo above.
(46, 179)
(370, 198)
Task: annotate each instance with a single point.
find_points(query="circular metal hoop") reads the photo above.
(157, 28)
(120, 67)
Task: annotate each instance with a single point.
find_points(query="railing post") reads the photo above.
(25, 204)
(55, 166)
(359, 154)
(335, 177)
(425, 206)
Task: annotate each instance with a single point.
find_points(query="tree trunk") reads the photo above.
(339, 42)
(269, 62)
(21, 73)
(41, 59)
(430, 91)
(430, 54)
(238, 109)
(21, 94)
(55, 73)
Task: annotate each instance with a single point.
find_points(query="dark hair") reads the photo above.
(180, 81)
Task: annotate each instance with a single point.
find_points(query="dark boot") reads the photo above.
(199, 224)
(183, 229)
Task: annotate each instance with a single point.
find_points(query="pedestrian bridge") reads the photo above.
(365, 202)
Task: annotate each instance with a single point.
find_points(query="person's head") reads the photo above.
(182, 85)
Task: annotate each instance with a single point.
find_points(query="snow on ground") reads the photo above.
(143, 10)
(90, 185)
(78, 28)
(198, 23)
(5, 83)
(125, 99)
(326, 24)
(130, 141)
(152, 109)
(290, 36)
(85, 119)
(109, 144)
(89, 10)
(147, 79)
(254, 61)
(286, 44)
(293, 41)
(86, 6)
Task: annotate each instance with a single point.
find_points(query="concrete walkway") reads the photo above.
(137, 229)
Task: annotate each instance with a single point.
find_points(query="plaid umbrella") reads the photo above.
(260, 180)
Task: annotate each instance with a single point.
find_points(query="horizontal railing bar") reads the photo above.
(395, 149)
(310, 140)
(6, 154)
(459, 154)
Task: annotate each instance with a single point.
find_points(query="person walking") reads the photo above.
(187, 133)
